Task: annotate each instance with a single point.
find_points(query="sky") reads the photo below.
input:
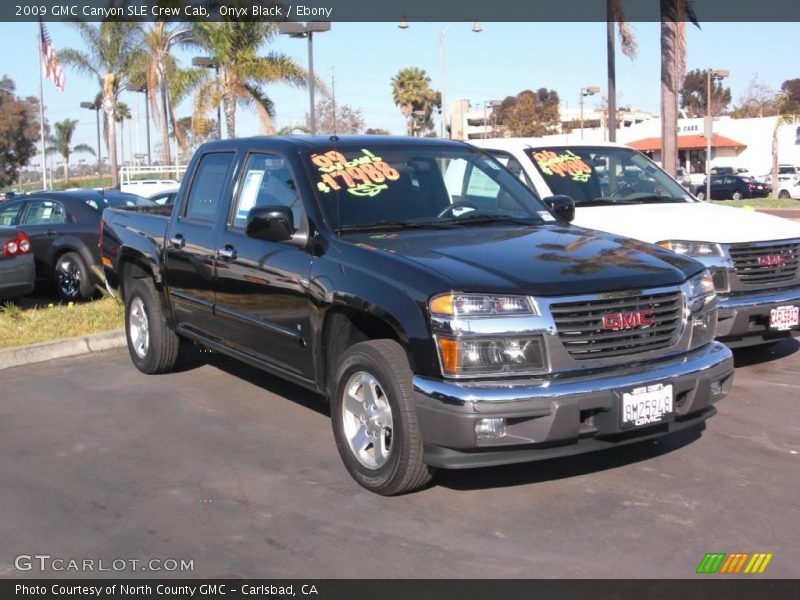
(502, 60)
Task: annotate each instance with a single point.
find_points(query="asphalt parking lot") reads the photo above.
(237, 471)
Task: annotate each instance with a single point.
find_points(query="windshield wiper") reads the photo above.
(482, 219)
(397, 225)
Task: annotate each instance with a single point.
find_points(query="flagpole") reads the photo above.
(41, 110)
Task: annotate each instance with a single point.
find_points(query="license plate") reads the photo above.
(784, 318)
(647, 404)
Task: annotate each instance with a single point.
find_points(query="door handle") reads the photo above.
(228, 252)
(50, 232)
(177, 241)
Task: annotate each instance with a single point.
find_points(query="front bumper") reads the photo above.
(562, 416)
(743, 318)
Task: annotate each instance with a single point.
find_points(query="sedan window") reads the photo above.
(43, 212)
(10, 213)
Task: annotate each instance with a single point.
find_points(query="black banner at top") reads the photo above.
(403, 589)
(395, 10)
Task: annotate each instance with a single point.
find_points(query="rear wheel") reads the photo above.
(784, 194)
(737, 195)
(71, 278)
(701, 195)
(374, 419)
(153, 346)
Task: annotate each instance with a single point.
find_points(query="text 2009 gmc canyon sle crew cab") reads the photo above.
(449, 324)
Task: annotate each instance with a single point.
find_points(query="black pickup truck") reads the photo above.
(451, 318)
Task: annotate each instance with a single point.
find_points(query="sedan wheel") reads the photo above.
(784, 194)
(737, 195)
(69, 277)
(701, 195)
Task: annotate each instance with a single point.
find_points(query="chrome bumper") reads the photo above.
(563, 412)
(743, 318)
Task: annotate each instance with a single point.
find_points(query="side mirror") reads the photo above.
(562, 206)
(270, 223)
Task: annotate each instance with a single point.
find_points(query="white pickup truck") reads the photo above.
(754, 257)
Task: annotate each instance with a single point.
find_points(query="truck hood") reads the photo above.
(551, 260)
(697, 221)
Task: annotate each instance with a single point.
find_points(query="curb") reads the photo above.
(75, 346)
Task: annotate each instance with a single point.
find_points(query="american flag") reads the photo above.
(52, 70)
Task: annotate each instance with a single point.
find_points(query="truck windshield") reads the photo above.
(605, 175)
(373, 187)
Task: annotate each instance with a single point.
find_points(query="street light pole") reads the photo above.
(586, 91)
(715, 75)
(476, 28)
(299, 30)
(95, 106)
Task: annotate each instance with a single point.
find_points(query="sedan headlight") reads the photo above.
(695, 249)
(491, 356)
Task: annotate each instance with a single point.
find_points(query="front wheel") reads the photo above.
(701, 195)
(153, 346)
(374, 419)
(784, 195)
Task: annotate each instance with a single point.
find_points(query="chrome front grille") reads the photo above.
(583, 326)
(757, 264)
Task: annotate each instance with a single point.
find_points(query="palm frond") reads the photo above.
(253, 95)
(83, 148)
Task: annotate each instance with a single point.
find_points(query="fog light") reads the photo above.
(486, 429)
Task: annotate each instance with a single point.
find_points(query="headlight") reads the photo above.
(698, 249)
(701, 291)
(481, 305)
(491, 356)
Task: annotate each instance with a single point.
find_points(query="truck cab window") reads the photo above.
(267, 181)
(209, 183)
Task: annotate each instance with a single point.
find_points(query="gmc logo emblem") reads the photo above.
(628, 320)
(772, 260)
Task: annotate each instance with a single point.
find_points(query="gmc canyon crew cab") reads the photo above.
(754, 258)
(449, 324)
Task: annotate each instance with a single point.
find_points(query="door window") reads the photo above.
(43, 212)
(208, 184)
(267, 181)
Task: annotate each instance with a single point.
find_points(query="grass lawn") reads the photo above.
(760, 203)
(20, 327)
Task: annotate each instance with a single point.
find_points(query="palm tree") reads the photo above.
(159, 40)
(112, 51)
(61, 143)
(411, 91)
(674, 14)
(242, 72)
(615, 13)
(123, 113)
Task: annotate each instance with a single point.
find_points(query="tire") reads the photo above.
(700, 195)
(737, 195)
(71, 278)
(153, 346)
(394, 464)
(784, 195)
